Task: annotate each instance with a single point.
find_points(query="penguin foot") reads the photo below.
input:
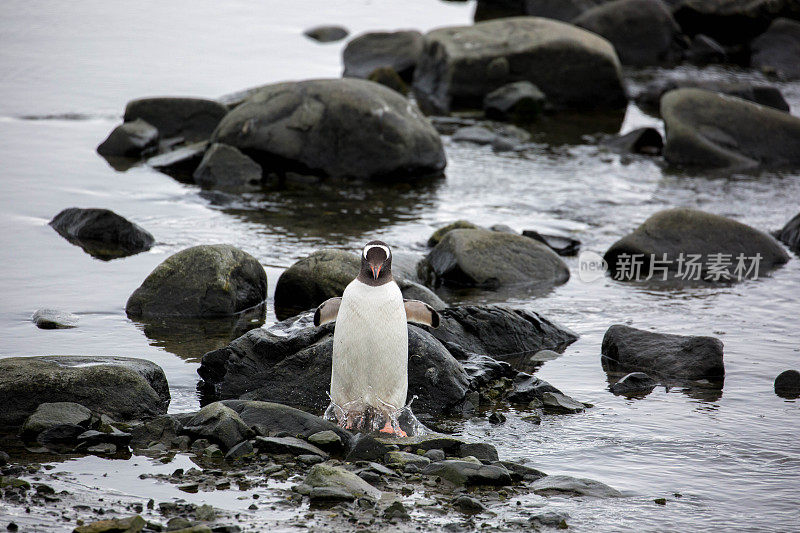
(392, 431)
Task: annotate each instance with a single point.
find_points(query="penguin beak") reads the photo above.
(376, 270)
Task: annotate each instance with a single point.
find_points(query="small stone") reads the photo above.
(330, 494)
(396, 510)
(326, 440)
(130, 139)
(435, 455)
(134, 524)
(401, 459)
(54, 319)
(326, 34)
(475, 135)
(561, 402)
(240, 451)
(633, 383)
(189, 487)
(310, 459)
(549, 519)
(105, 448)
(480, 450)
(468, 505)
(661, 501)
(497, 418)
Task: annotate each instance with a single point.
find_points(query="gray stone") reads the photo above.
(201, 281)
(131, 139)
(428, 441)
(439, 234)
(220, 424)
(561, 402)
(162, 429)
(54, 319)
(367, 448)
(520, 472)
(290, 445)
(521, 102)
(645, 141)
(101, 232)
(274, 418)
(192, 119)
(550, 519)
(552, 485)
(181, 162)
(225, 167)
(560, 244)
(48, 415)
(330, 494)
(115, 436)
(468, 505)
(777, 50)
(324, 475)
(460, 472)
(402, 459)
(326, 440)
(475, 135)
(104, 448)
(60, 434)
(634, 383)
(240, 451)
(480, 450)
(790, 234)
(649, 98)
(326, 34)
(435, 455)
(787, 384)
(398, 50)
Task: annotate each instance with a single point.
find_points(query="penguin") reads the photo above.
(370, 341)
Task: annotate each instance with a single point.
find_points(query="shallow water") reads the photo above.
(734, 457)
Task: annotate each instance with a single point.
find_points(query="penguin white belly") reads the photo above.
(370, 348)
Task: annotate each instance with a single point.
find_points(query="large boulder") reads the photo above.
(397, 50)
(643, 32)
(130, 139)
(102, 233)
(649, 98)
(192, 119)
(325, 274)
(225, 167)
(626, 349)
(790, 234)
(343, 128)
(731, 21)
(201, 281)
(692, 245)
(709, 130)
(491, 259)
(778, 49)
(461, 65)
(119, 387)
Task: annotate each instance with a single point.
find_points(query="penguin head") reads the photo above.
(376, 264)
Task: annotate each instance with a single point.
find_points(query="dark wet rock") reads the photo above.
(225, 167)
(402, 459)
(101, 232)
(633, 384)
(564, 10)
(643, 32)
(122, 388)
(645, 141)
(180, 163)
(220, 424)
(439, 234)
(626, 349)
(435, 454)
(48, 415)
(134, 524)
(704, 51)
(553, 485)
(730, 21)
(459, 472)
(323, 475)
(649, 99)
(203, 281)
(93, 437)
(54, 319)
(4, 458)
(131, 139)
(162, 429)
(475, 135)
(325, 274)
(521, 102)
(560, 402)
(787, 384)
(790, 234)
(388, 77)
(549, 519)
(708, 130)
(480, 450)
(326, 34)
(398, 50)
(777, 51)
(396, 510)
(290, 445)
(520, 472)
(240, 451)
(192, 119)
(483, 258)
(681, 233)
(367, 448)
(560, 244)
(290, 127)
(274, 419)
(497, 418)
(468, 505)
(495, 9)
(461, 65)
(58, 434)
(104, 448)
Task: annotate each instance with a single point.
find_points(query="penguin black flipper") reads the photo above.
(327, 311)
(421, 313)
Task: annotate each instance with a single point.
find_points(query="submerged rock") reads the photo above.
(790, 234)
(130, 139)
(203, 281)
(192, 119)
(634, 383)
(292, 126)
(54, 319)
(102, 233)
(777, 51)
(552, 485)
(119, 387)
(627, 349)
(787, 384)
(225, 167)
(326, 34)
(397, 50)
(574, 68)
(560, 244)
(709, 130)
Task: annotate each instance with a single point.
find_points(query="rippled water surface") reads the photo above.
(67, 71)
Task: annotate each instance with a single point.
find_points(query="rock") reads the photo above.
(330, 494)
(367, 448)
(115, 436)
(561, 402)
(388, 77)
(787, 384)
(398, 50)
(549, 519)
(290, 445)
(54, 319)
(290, 127)
(202, 281)
(60, 434)
(560, 244)
(48, 415)
(643, 32)
(428, 441)
(396, 510)
(649, 99)
(240, 451)
(468, 473)
(790, 234)
(730, 21)
(704, 50)
(119, 387)
(626, 349)
(220, 424)
(435, 455)
(520, 472)
(162, 429)
(192, 119)
(528, 388)
(645, 141)
(325, 274)
(326, 34)
(102, 233)
(225, 167)
(520, 102)
(104, 448)
(488, 259)
(180, 163)
(633, 384)
(686, 244)
(552, 485)
(130, 139)
(323, 475)
(439, 234)
(4, 458)
(326, 440)
(778, 49)
(468, 505)
(480, 450)
(708, 130)
(134, 524)
(564, 10)
(402, 459)
(475, 135)
(459, 66)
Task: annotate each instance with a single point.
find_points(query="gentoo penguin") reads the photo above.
(370, 342)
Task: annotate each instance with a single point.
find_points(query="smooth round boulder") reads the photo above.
(676, 237)
(397, 50)
(130, 139)
(649, 99)
(192, 119)
(787, 384)
(490, 259)
(790, 234)
(777, 51)
(102, 233)
(574, 68)
(225, 167)
(342, 128)
(709, 130)
(643, 32)
(201, 281)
